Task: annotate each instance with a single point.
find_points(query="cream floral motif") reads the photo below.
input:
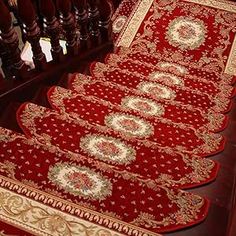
(37, 218)
(186, 33)
(130, 125)
(156, 90)
(166, 78)
(118, 24)
(146, 106)
(174, 68)
(108, 149)
(80, 181)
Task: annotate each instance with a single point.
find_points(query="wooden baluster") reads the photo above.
(10, 52)
(52, 27)
(32, 32)
(1, 76)
(106, 9)
(5, 58)
(93, 15)
(81, 12)
(69, 26)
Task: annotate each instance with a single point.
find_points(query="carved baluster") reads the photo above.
(1, 76)
(10, 52)
(93, 15)
(32, 32)
(81, 12)
(52, 27)
(69, 26)
(4, 57)
(105, 8)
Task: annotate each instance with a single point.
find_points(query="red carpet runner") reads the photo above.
(70, 189)
(114, 152)
(140, 102)
(133, 156)
(35, 120)
(159, 85)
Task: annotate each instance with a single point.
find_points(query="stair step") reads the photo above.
(8, 117)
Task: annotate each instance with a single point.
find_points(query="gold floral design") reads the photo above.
(184, 215)
(108, 149)
(166, 78)
(156, 90)
(143, 105)
(80, 181)
(129, 124)
(119, 23)
(186, 33)
(40, 219)
(173, 68)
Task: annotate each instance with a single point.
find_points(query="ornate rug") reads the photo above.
(143, 103)
(46, 191)
(175, 63)
(204, 94)
(128, 154)
(36, 120)
(201, 30)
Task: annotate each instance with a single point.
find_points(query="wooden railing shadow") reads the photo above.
(85, 25)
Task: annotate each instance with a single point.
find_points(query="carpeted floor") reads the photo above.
(117, 148)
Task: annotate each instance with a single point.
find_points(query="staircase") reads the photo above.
(95, 70)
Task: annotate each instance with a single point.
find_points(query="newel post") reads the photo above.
(52, 27)
(10, 52)
(81, 11)
(69, 26)
(106, 9)
(32, 32)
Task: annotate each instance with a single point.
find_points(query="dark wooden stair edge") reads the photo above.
(231, 229)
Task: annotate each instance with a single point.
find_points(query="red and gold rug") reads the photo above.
(202, 31)
(46, 190)
(175, 63)
(128, 155)
(204, 94)
(130, 124)
(114, 123)
(135, 100)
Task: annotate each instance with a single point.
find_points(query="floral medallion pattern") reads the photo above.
(166, 78)
(130, 125)
(146, 106)
(186, 33)
(156, 90)
(80, 181)
(107, 149)
(173, 68)
(118, 24)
